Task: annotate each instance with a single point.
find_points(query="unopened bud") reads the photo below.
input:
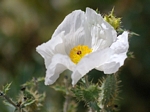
(112, 20)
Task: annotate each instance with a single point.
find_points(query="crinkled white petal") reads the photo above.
(102, 33)
(74, 27)
(113, 64)
(109, 68)
(53, 46)
(58, 64)
(90, 62)
(120, 48)
(122, 44)
(71, 23)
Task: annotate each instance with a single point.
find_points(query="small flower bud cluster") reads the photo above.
(112, 20)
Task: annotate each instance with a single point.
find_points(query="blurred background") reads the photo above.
(24, 24)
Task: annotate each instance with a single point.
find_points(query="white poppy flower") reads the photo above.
(82, 42)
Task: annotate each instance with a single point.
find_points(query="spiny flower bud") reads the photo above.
(112, 20)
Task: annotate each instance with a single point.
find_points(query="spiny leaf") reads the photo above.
(60, 88)
(33, 81)
(6, 88)
(28, 102)
(133, 33)
(40, 79)
(120, 30)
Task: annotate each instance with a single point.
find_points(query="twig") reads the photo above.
(10, 101)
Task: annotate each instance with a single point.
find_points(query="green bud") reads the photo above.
(109, 92)
(86, 94)
(112, 20)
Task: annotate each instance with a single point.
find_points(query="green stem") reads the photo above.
(20, 110)
(67, 100)
(92, 110)
(67, 97)
(10, 101)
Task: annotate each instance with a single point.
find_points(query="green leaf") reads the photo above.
(28, 102)
(33, 81)
(60, 88)
(40, 79)
(6, 88)
(133, 33)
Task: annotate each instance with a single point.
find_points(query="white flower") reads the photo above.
(82, 42)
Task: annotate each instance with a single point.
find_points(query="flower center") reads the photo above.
(79, 52)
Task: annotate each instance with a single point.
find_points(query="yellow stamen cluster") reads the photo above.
(79, 52)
